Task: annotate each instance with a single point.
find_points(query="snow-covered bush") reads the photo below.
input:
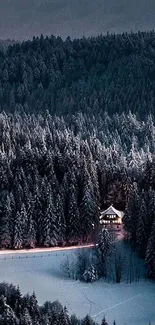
(69, 268)
(66, 267)
(90, 274)
(82, 263)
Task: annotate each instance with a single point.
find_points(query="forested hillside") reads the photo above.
(115, 73)
(77, 134)
(56, 174)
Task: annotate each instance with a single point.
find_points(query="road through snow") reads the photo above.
(42, 250)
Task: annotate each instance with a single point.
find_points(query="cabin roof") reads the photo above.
(111, 210)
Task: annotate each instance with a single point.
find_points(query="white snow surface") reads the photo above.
(128, 304)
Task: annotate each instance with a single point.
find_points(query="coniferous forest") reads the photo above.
(16, 309)
(77, 133)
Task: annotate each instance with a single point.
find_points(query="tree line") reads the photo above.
(107, 260)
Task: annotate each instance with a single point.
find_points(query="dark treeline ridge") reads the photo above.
(115, 73)
(16, 309)
(4, 44)
(56, 172)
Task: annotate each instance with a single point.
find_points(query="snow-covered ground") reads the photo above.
(42, 250)
(128, 304)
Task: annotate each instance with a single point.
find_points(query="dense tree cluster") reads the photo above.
(83, 146)
(113, 73)
(16, 309)
(48, 183)
(139, 221)
(55, 173)
(104, 244)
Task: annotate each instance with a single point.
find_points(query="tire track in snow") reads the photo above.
(90, 302)
(116, 305)
(86, 297)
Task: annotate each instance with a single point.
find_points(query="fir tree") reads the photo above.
(104, 322)
(104, 244)
(142, 229)
(6, 226)
(73, 229)
(150, 253)
(18, 231)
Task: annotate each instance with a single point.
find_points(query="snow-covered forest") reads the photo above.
(55, 174)
(24, 310)
(113, 73)
(77, 134)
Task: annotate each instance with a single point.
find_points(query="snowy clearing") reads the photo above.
(128, 304)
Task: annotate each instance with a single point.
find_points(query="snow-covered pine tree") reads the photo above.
(17, 188)
(150, 253)
(25, 318)
(150, 206)
(90, 274)
(87, 321)
(130, 218)
(5, 229)
(104, 244)
(34, 308)
(73, 224)
(24, 183)
(19, 228)
(104, 322)
(147, 173)
(31, 235)
(13, 214)
(30, 238)
(25, 226)
(38, 211)
(89, 211)
(141, 230)
(59, 207)
(50, 221)
(63, 317)
(7, 315)
(127, 218)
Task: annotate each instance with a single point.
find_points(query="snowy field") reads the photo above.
(128, 304)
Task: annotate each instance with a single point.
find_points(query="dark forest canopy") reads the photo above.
(113, 73)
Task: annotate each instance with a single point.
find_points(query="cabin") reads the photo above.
(111, 218)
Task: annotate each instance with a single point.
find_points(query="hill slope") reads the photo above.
(115, 73)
